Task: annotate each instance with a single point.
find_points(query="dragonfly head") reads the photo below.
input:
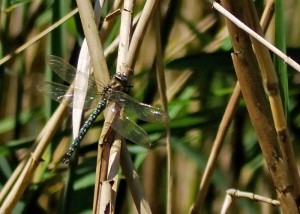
(122, 78)
(121, 82)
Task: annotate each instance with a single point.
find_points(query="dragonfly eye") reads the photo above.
(122, 77)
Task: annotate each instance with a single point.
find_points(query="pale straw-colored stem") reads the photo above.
(241, 25)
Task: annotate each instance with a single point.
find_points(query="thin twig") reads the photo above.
(241, 25)
(231, 193)
(267, 15)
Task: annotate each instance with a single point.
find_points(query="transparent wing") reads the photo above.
(65, 94)
(131, 131)
(67, 72)
(138, 110)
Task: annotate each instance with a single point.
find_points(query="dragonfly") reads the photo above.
(124, 105)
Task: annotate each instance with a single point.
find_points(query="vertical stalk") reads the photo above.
(260, 113)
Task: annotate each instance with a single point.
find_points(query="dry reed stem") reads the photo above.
(108, 24)
(102, 176)
(241, 25)
(271, 84)
(231, 193)
(83, 65)
(125, 33)
(161, 82)
(260, 115)
(247, 71)
(132, 51)
(95, 48)
(267, 15)
(33, 161)
(133, 182)
(11, 181)
(37, 37)
(216, 149)
(225, 122)
(112, 163)
(139, 33)
(107, 200)
(113, 46)
(42, 140)
(125, 36)
(100, 72)
(103, 164)
(131, 56)
(126, 66)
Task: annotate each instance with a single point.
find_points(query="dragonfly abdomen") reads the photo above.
(83, 130)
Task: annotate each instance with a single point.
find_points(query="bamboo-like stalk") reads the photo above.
(139, 33)
(247, 71)
(271, 81)
(130, 61)
(233, 193)
(133, 182)
(83, 65)
(223, 127)
(267, 15)
(107, 164)
(103, 147)
(271, 84)
(125, 33)
(95, 48)
(100, 70)
(100, 199)
(259, 38)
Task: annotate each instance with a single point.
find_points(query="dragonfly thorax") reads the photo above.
(119, 83)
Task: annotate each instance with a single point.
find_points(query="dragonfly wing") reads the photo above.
(67, 72)
(141, 111)
(131, 131)
(65, 94)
